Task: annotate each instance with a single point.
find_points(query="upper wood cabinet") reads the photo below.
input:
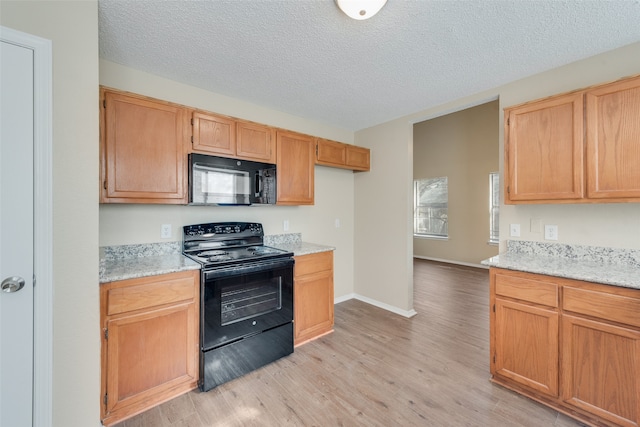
(213, 134)
(544, 150)
(141, 148)
(295, 163)
(613, 140)
(223, 136)
(255, 142)
(340, 155)
(580, 147)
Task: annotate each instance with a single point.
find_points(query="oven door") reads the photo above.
(243, 300)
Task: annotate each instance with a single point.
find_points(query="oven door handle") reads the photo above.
(252, 267)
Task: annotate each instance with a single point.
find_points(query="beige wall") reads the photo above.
(126, 223)
(462, 146)
(389, 278)
(73, 28)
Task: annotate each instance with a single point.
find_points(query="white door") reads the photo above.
(16, 234)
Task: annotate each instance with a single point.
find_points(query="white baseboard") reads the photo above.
(448, 261)
(396, 310)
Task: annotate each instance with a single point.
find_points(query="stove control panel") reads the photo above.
(220, 229)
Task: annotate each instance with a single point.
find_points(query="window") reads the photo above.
(430, 200)
(494, 207)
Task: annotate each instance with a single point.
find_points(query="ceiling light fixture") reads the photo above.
(360, 9)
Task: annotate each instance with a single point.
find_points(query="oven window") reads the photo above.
(246, 300)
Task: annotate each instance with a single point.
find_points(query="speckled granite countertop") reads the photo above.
(609, 266)
(133, 261)
(293, 242)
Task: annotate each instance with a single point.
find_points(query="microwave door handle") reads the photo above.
(258, 184)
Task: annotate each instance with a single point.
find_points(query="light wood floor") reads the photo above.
(377, 369)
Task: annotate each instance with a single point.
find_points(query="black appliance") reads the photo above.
(246, 305)
(222, 181)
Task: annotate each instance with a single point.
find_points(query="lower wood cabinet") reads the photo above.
(149, 329)
(572, 345)
(313, 296)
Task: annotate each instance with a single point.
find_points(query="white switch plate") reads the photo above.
(551, 232)
(337, 223)
(514, 230)
(285, 225)
(165, 231)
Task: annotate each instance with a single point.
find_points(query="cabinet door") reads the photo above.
(214, 134)
(150, 355)
(526, 345)
(142, 150)
(613, 135)
(255, 142)
(295, 162)
(544, 150)
(313, 307)
(601, 369)
(331, 153)
(358, 158)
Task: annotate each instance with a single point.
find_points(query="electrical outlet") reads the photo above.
(165, 231)
(514, 230)
(551, 232)
(285, 225)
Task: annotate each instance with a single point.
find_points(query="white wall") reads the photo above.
(127, 223)
(73, 28)
(383, 198)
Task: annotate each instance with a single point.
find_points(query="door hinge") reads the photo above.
(106, 334)
(105, 399)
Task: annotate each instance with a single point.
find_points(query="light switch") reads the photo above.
(514, 230)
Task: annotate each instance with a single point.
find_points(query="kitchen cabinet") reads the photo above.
(295, 159)
(587, 336)
(613, 133)
(525, 348)
(223, 136)
(149, 330)
(313, 296)
(142, 149)
(544, 150)
(346, 156)
(579, 147)
(601, 353)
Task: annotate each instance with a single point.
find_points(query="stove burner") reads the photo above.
(218, 258)
(213, 253)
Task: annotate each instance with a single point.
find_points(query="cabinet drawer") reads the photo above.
(615, 308)
(312, 263)
(150, 293)
(531, 290)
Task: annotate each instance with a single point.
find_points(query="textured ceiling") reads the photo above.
(306, 58)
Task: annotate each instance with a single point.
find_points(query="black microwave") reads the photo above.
(222, 181)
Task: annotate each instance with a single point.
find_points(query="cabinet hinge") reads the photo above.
(508, 121)
(104, 184)
(508, 189)
(192, 139)
(104, 399)
(106, 334)
(191, 122)
(494, 358)
(104, 103)
(494, 308)
(316, 150)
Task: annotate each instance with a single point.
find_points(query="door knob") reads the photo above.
(12, 284)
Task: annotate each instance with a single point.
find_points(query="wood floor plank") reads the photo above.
(377, 369)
